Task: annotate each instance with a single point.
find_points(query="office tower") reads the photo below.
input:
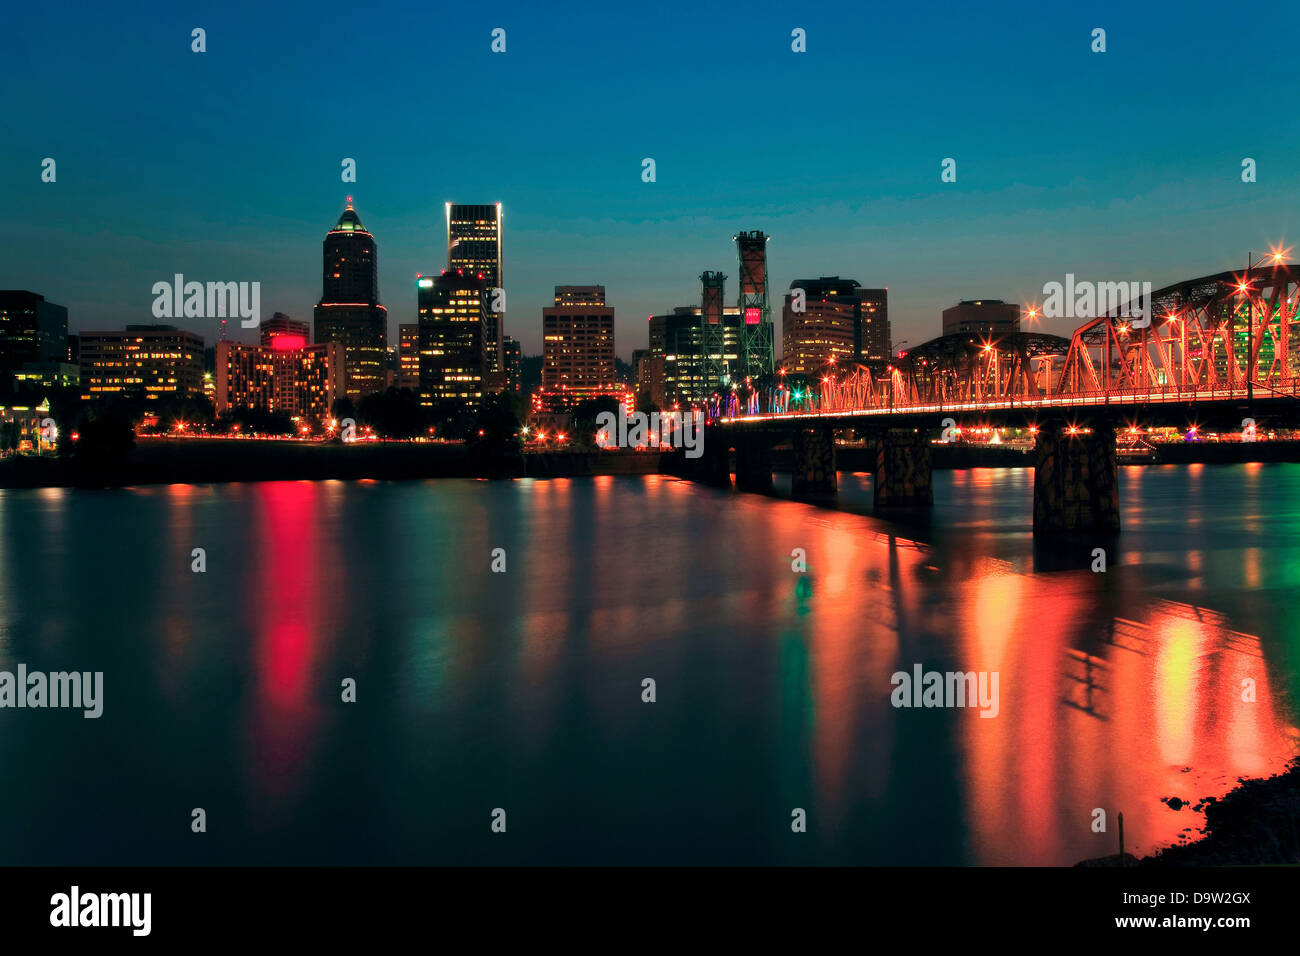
(871, 343)
(653, 364)
(453, 310)
(32, 331)
(642, 372)
(474, 248)
(289, 333)
(578, 348)
(349, 311)
(283, 375)
(988, 317)
(142, 361)
(756, 333)
(408, 356)
(840, 321)
(681, 371)
(514, 359)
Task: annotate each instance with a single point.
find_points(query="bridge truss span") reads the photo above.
(1228, 337)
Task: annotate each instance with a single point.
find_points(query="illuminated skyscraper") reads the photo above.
(453, 309)
(514, 358)
(290, 333)
(284, 374)
(683, 369)
(408, 356)
(32, 330)
(474, 249)
(349, 311)
(578, 347)
(840, 321)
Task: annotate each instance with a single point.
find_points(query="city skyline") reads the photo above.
(1041, 187)
(552, 438)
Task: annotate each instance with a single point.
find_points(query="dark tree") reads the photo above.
(394, 413)
(585, 415)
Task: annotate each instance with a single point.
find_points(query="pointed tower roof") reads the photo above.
(350, 221)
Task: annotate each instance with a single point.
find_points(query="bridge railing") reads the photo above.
(833, 402)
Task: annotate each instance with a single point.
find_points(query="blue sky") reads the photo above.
(225, 165)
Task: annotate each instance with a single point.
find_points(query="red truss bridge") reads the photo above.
(1220, 350)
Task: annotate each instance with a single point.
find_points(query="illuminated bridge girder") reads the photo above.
(1199, 345)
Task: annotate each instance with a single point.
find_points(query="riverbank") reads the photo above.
(214, 460)
(156, 461)
(1257, 824)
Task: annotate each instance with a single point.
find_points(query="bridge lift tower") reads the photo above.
(714, 366)
(756, 338)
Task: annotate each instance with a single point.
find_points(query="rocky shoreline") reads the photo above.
(1256, 824)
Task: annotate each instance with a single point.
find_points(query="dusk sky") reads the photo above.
(225, 165)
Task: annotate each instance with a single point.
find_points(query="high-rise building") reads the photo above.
(840, 321)
(578, 347)
(408, 356)
(757, 335)
(284, 375)
(288, 333)
(349, 311)
(642, 367)
(474, 249)
(871, 344)
(652, 365)
(981, 317)
(678, 372)
(32, 331)
(514, 359)
(146, 361)
(453, 310)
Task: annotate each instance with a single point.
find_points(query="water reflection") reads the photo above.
(1166, 676)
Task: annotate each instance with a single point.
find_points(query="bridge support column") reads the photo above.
(1076, 480)
(812, 470)
(753, 462)
(713, 467)
(903, 476)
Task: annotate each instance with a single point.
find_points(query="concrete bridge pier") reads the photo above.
(812, 469)
(1076, 479)
(753, 462)
(713, 467)
(903, 478)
